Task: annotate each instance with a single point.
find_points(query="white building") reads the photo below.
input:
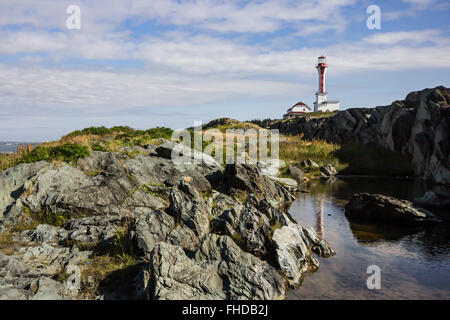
(297, 110)
(322, 104)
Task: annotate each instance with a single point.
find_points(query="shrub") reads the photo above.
(67, 152)
(52, 218)
(70, 152)
(159, 132)
(98, 147)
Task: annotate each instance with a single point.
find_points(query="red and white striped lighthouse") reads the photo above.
(322, 104)
(322, 70)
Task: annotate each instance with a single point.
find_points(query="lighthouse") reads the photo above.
(322, 104)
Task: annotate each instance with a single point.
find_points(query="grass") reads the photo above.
(273, 227)
(372, 160)
(112, 266)
(239, 240)
(79, 144)
(153, 190)
(206, 195)
(348, 159)
(320, 114)
(295, 149)
(52, 218)
(5, 240)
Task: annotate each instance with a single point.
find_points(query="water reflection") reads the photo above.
(415, 262)
(319, 217)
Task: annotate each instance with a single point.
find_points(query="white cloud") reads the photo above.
(415, 6)
(406, 37)
(224, 16)
(183, 68)
(103, 91)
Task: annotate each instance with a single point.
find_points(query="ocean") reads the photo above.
(12, 146)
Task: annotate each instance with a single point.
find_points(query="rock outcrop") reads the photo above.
(191, 230)
(417, 127)
(218, 270)
(379, 208)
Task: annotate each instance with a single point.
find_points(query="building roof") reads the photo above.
(299, 104)
(298, 107)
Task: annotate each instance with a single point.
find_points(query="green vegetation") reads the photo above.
(98, 147)
(296, 149)
(320, 114)
(67, 152)
(121, 245)
(52, 218)
(348, 159)
(372, 160)
(239, 240)
(5, 240)
(262, 123)
(273, 227)
(113, 266)
(155, 190)
(79, 144)
(207, 195)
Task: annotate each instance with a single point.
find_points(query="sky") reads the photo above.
(169, 63)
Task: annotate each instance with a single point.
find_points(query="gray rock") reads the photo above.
(270, 167)
(12, 266)
(168, 148)
(13, 183)
(50, 259)
(133, 149)
(296, 173)
(196, 178)
(308, 164)
(189, 208)
(417, 127)
(48, 289)
(10, 293)
(328, 170)
(152, 228)
(254, 228)
(246, 179)
(47, 233)
(93, 230)
(376, 207)
(292, 253)
(290, 184)
(294, 245)
(438, 198)
(183, 237)
(205, 276)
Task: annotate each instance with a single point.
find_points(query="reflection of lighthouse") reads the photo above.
(319, 217)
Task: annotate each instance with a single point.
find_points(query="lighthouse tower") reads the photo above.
(322, 104)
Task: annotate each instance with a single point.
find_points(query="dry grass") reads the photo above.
(112, 266)
(294, 149)
(349, 159)
(85, 140)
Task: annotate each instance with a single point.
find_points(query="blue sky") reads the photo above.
(168, 63)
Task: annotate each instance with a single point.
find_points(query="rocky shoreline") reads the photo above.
(135, 225)
(417, 127)
(196, 231)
